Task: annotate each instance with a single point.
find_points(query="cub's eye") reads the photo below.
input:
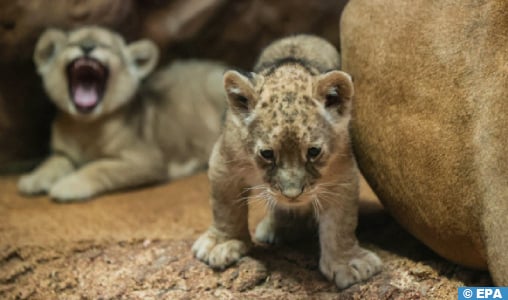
(267, 154)
(313, 152)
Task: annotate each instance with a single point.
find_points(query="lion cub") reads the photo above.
(113, 132)
(286, 137)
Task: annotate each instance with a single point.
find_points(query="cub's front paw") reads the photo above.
(217, 250)
(33, 184)
(72, 188)
(361, 266)
(266, 232)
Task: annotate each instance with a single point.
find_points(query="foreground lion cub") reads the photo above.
(109, 135)
(286, 137)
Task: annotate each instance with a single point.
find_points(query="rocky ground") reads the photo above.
(136, 245)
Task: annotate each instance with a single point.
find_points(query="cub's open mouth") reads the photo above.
(87, 81)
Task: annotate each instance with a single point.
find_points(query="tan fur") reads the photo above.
(430, 126)
(296, 100)
(137, 131)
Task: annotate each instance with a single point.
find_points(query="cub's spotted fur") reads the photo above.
(286, 138)
(111, 132)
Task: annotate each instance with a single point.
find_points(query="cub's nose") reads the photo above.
(292, 192)
(87, 47)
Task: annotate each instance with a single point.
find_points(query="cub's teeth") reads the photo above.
(84, 62)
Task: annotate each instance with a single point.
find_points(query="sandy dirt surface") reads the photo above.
(136, 245)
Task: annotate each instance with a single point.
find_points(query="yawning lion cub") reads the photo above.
(111, 132)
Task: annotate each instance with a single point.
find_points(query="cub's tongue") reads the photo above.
(86, 96)
(87, 80)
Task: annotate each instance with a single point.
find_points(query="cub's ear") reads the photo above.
(335, 90)
(144, 57)
(240, 91)
(48, 46)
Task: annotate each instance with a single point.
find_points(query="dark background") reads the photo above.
(227, 30)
